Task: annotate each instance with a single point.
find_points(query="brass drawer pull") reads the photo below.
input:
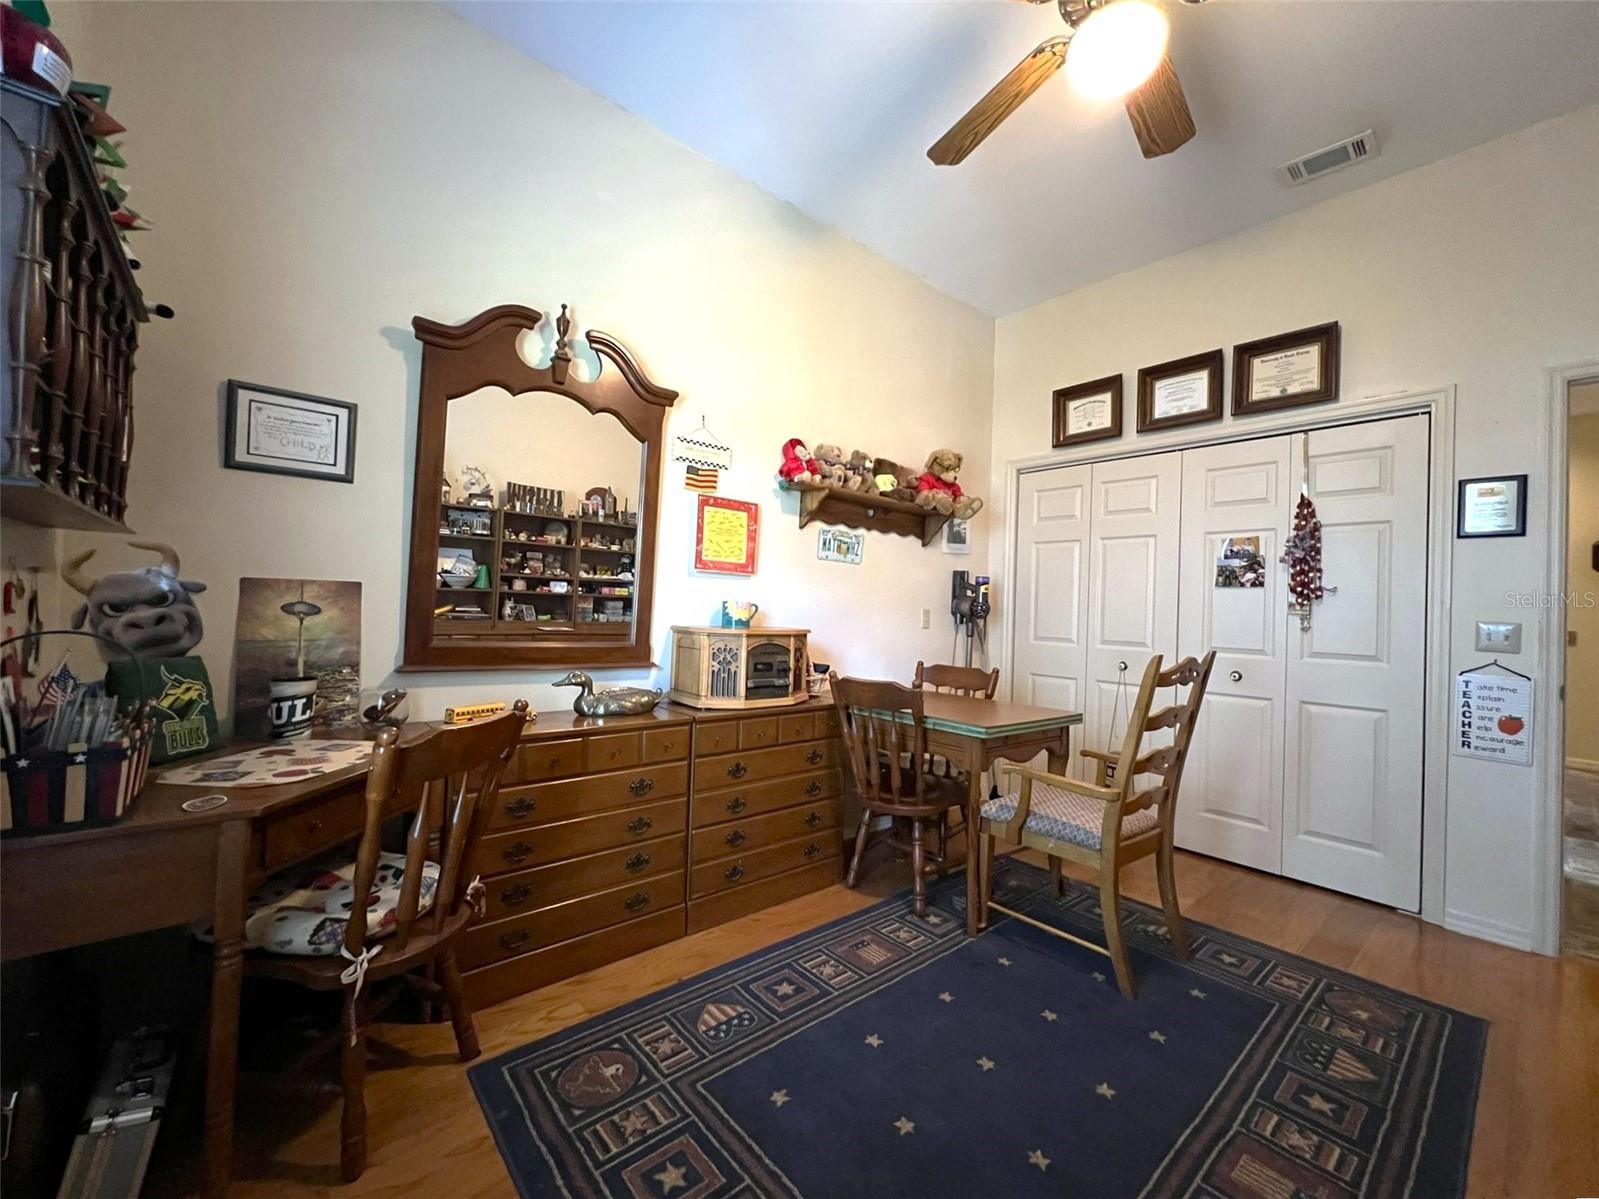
(639, 825)
(737, 770)
(813, 789)
(521, 806)
(737, 804)
(812, 819)
(515, 853)
(512, 940)
(812, 850)
(515, 897)
(735, 838)
(734, 873)
(641, 786)
(814, 756)
(636, 901)
(637, 862)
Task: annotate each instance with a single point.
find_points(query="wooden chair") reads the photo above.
(1107, 823)
(892, 772)
(448, 778)
(970, 681)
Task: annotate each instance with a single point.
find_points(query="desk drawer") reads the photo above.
(727, 770)
(757, 832)
(316, 826)
(519, 849)
(540, 803)
(734, 803)
(539, 760)
(485, 943)
(544, 885)
(729, 872)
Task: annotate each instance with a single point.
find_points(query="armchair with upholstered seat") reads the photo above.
(1111, 821)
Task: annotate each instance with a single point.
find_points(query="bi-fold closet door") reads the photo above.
(1307, 758)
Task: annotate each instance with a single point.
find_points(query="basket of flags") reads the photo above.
(68, 757)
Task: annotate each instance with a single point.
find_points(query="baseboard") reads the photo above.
(1488, 930)
(1586, 765)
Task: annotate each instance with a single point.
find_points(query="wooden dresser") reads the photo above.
(588, 855)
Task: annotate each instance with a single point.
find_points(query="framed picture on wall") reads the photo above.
(727, 536)
(1184, 391)
(1492, 507)
(286, 433)
(1286, 371)
(1088, 412)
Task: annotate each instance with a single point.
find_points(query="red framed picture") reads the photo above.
(727, 536)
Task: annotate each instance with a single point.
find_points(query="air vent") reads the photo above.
(1330, 158)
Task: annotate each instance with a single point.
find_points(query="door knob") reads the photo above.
(1236, 676)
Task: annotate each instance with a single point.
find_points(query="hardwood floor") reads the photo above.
(1537, 1120)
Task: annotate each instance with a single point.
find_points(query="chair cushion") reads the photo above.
(303, 910)
(1066, 816)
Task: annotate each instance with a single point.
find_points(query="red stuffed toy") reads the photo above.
(798, 465)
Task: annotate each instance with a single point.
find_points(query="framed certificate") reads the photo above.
(727, 536)
(1286, 371)
(1088, 412)
(286, 433)
(1492, 507)
(1184, 391)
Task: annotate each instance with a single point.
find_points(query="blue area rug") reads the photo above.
(886, 1055)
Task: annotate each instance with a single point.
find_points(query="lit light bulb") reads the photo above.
(1116, 48)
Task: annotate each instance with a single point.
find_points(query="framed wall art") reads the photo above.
(1184, 391)
(1088, 412)
(1492, 507)
(1286, 371)
(287, 433)
(727, 536)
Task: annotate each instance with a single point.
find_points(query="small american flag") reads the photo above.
(701, 478)
(57, 685)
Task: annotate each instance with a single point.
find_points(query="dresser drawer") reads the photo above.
(543, 885)
(725, 873)
(726, 770)
(485, 943)
(666, 745)
(518, 849)
(757, 832)
(539, 760)
(757, 733)
(715, 737)
(752, 897)
(540, 803)
(798, 727)
(612, 751)
(733, 803)
(529, 971)
(316, 826)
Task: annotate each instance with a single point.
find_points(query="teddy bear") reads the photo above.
(937, 490)
(860, 472)
(830, 466)
(798, 465)
(896, 482)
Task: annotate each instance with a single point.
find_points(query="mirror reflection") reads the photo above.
(538, 519)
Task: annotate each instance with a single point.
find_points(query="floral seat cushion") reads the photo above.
(303, 910)
(1065, 816)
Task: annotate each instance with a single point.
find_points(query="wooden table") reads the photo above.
(974, 734)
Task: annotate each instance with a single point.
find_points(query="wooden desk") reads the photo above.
(974, 734)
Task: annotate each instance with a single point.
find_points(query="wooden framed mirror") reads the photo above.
(535, 500)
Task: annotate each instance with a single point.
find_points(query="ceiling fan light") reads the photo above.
(1116, 48)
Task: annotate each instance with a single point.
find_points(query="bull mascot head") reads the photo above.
(150, 610)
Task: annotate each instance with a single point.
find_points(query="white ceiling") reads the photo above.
(831, 105)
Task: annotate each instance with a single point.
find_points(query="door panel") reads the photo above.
(1048, 652)
(1230, 804)
(1355, 681)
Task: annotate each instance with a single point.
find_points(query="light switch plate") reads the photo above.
(1498, 637)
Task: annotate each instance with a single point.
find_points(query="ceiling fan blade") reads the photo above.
(1004, 98)
(1159, 112)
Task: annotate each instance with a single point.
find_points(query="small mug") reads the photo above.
(292, 702)
(738, 614)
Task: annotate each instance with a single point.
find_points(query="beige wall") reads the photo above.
(1582, 583)
(317, 174)
(1480, 271)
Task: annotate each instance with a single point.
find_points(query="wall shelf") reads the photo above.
(836, 506)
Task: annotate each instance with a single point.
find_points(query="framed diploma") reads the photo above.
(1492, 507)
(286, 433)
(1088, 412)
(1286, 371)
(1185, 391)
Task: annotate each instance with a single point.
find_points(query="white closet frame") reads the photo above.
(1439, 404)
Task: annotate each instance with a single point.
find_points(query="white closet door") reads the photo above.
(1230, 805)
(1352, 786)
(1049, 641)
(1132, 583)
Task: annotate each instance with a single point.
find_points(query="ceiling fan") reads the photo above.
(1116, 47)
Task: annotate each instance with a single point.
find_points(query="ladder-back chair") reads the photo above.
(357, 918)
(971, 681)
(1111, 821)
(885, 739)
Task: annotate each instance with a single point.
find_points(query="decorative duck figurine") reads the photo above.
(619, 701)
